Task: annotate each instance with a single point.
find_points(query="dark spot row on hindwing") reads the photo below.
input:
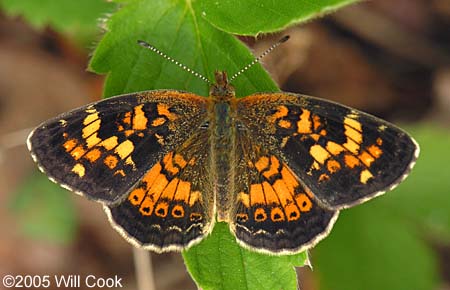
(172, 206)
(272, 211)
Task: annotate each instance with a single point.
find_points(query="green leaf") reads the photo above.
(382, 244)
(175, 28)
(44, 210)
(220, 263)
(246, 17)
(76, 18)
(424, 198)
(372, 248)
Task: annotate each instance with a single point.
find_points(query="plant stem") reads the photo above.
(144, 270)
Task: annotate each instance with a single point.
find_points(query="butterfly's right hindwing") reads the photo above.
(172, 206)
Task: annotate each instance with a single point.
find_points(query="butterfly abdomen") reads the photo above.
(222, 153)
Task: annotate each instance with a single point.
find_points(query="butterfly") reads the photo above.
(277, 167)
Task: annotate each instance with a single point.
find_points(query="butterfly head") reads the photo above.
(221, 89)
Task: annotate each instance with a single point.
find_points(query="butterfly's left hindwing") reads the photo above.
(341, 155)
(102, 150)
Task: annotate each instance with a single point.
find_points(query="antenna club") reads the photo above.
(143, 43)
(257, 59)
(154, 49)
(284, 39)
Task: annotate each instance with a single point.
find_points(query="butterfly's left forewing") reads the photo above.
(342, 156)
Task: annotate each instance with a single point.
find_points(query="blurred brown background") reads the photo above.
(390, 58)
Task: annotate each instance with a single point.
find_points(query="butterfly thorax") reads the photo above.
(222, 140)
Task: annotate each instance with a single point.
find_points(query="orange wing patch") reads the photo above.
(279, 197)
(139, 119)
(355, 155)
(161, 187)
(282, 111)
(325, 155)
(79, 169)
(95, 149)
(163, 110)
(70, 144)
(304, 124)
(93, 155)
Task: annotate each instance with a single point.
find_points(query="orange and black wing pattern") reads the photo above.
(172, 207)
(342, 156)
(104, 149)
(271, 211)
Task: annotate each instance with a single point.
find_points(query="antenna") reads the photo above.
(245, 68)
(256, 60)
(154, 49)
